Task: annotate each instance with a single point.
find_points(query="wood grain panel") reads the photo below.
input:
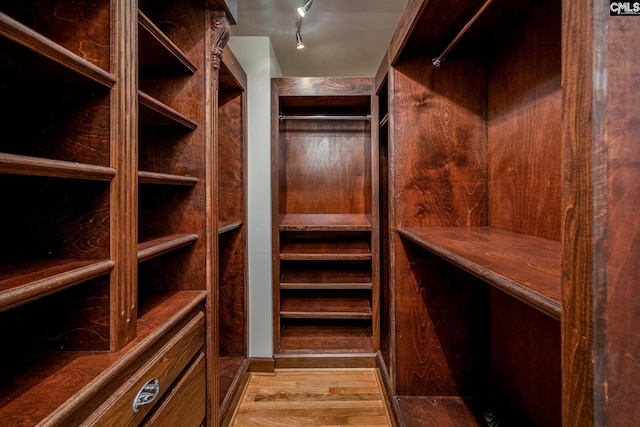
(72, 319)
(619, 257)
(579, 161)
(325, 159)
(436, 411)
(231, 159)
(326, 87)
(61, 122)
(525, 360)
(524, 132)
(74, 224)
(185, 404)
(442, 326)
(82, 27)
(439, 169)
(232, 291)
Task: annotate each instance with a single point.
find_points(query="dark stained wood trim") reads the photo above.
(351, 360)
(124, 158)
(263, 365)
(577, 262)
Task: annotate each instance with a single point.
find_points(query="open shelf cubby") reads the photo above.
(325, 224)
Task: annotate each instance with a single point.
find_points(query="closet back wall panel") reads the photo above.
(524, 127)
(444, 134)
(325, 158)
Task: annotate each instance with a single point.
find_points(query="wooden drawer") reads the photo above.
(185, 405)
(163, 368)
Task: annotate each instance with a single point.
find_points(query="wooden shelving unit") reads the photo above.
(325, 270)
(470, 137)
(105, 256)
(231, 193)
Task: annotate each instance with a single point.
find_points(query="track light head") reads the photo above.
(302, 10)
(300, 44)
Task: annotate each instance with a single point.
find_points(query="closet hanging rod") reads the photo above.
(325, 117)
(438, 59)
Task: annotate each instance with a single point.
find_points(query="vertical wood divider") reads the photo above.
(124, 187)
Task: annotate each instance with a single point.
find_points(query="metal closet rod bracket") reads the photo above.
(437, 61)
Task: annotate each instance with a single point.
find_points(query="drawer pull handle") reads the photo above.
(147, 394)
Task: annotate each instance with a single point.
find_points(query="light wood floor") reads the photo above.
(313, 397)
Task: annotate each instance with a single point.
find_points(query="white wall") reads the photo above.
(257, 58)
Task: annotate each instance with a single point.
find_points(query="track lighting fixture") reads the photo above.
(302, 10)
(300, 44)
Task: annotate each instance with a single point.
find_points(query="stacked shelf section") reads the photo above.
(231, 290)
(171, 149)
(326, 281)
(56, 172)
(325, 271)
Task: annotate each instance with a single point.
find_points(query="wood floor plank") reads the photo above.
(313, 397)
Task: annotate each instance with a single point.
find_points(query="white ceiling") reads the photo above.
(342, 37)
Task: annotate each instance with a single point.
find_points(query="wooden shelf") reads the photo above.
(335, 276)
(325, 336)
(325, 307)
(226, 226)
(145, 177)
(24, 282)
(157, 51)
(525, 267)
(155, 113)
(45, 48)
(325, 222)
(326, 250)
(52, 378)
(156, 247)
(26, 165)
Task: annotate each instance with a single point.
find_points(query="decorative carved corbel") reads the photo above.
(219, 36)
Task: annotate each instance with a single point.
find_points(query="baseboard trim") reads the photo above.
(392, 404)
(319, 361)
(263, 365)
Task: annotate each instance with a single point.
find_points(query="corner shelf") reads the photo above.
(525, 267)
